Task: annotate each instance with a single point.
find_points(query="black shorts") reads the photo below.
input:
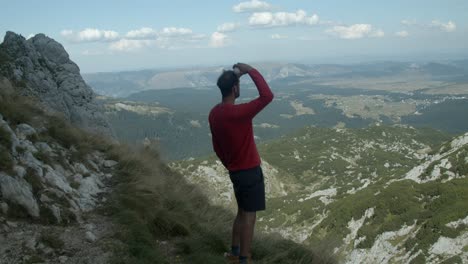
(249, 188)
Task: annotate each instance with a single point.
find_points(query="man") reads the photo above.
(233, 142)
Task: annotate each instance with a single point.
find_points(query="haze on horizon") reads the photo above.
(124, 35)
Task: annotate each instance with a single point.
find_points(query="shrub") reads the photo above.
(6, 161)
(4, 58)
(17, 109)
(5, 138)
(34, 180)
(43, 156)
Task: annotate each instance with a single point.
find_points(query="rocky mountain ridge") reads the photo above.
(42, 68)
(123, 84)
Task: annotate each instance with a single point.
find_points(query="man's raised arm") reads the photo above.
(252, 108)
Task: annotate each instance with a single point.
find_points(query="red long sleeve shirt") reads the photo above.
(231, 128)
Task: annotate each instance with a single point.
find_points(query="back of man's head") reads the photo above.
(226, 81)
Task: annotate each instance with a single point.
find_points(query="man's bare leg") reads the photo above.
(236, 229)
(247, 220)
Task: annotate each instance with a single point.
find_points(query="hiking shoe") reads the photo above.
(231, 259)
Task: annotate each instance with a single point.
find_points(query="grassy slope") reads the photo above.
(432, 204)
(344, 158)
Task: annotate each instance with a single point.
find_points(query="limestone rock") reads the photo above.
(19, 192)
(56, 212)
(23, 131)
(63, 259)
(43, 66)
(93, 165)
(27, 146)
(31, 244)
(57, 180)
(4, 208)
(28, 160)
(89, 188)
(20, 171)
(45, 199)
(81, 169)
(110, 163)
(90, 236)
(44, 147)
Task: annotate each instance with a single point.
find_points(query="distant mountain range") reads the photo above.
(122, 84)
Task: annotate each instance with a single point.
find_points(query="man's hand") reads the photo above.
(243, 68)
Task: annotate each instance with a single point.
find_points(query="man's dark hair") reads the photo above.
(226, 81)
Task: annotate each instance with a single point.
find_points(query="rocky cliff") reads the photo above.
(43, 69)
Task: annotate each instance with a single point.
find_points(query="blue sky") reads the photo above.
(124, 35)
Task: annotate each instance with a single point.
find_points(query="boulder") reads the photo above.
(110, 163)
(57, 180)
(19, 192)
(44, 147)
(23, 131)
(19, 170)
(90, 236)
(4, 208)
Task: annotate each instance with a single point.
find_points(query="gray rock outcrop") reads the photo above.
(45, 186)
(42, 68)
(19, 192)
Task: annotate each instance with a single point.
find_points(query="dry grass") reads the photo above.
(155, 203)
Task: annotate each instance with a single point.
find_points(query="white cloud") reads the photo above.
(130, 44)
(175, 32)
(355, 31)
(268, 19)
(402, 34)
(91, 53)
(278, 36)
(167, 38)
(251, 6)
(195, 37)
(378, 34)
(90, 35)
(218, 39)
(66, 33)
(409, 22)
(352, 32)
(93, 34)
(228, 27)
(142, 33)
(177, 38)
(447, 27)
